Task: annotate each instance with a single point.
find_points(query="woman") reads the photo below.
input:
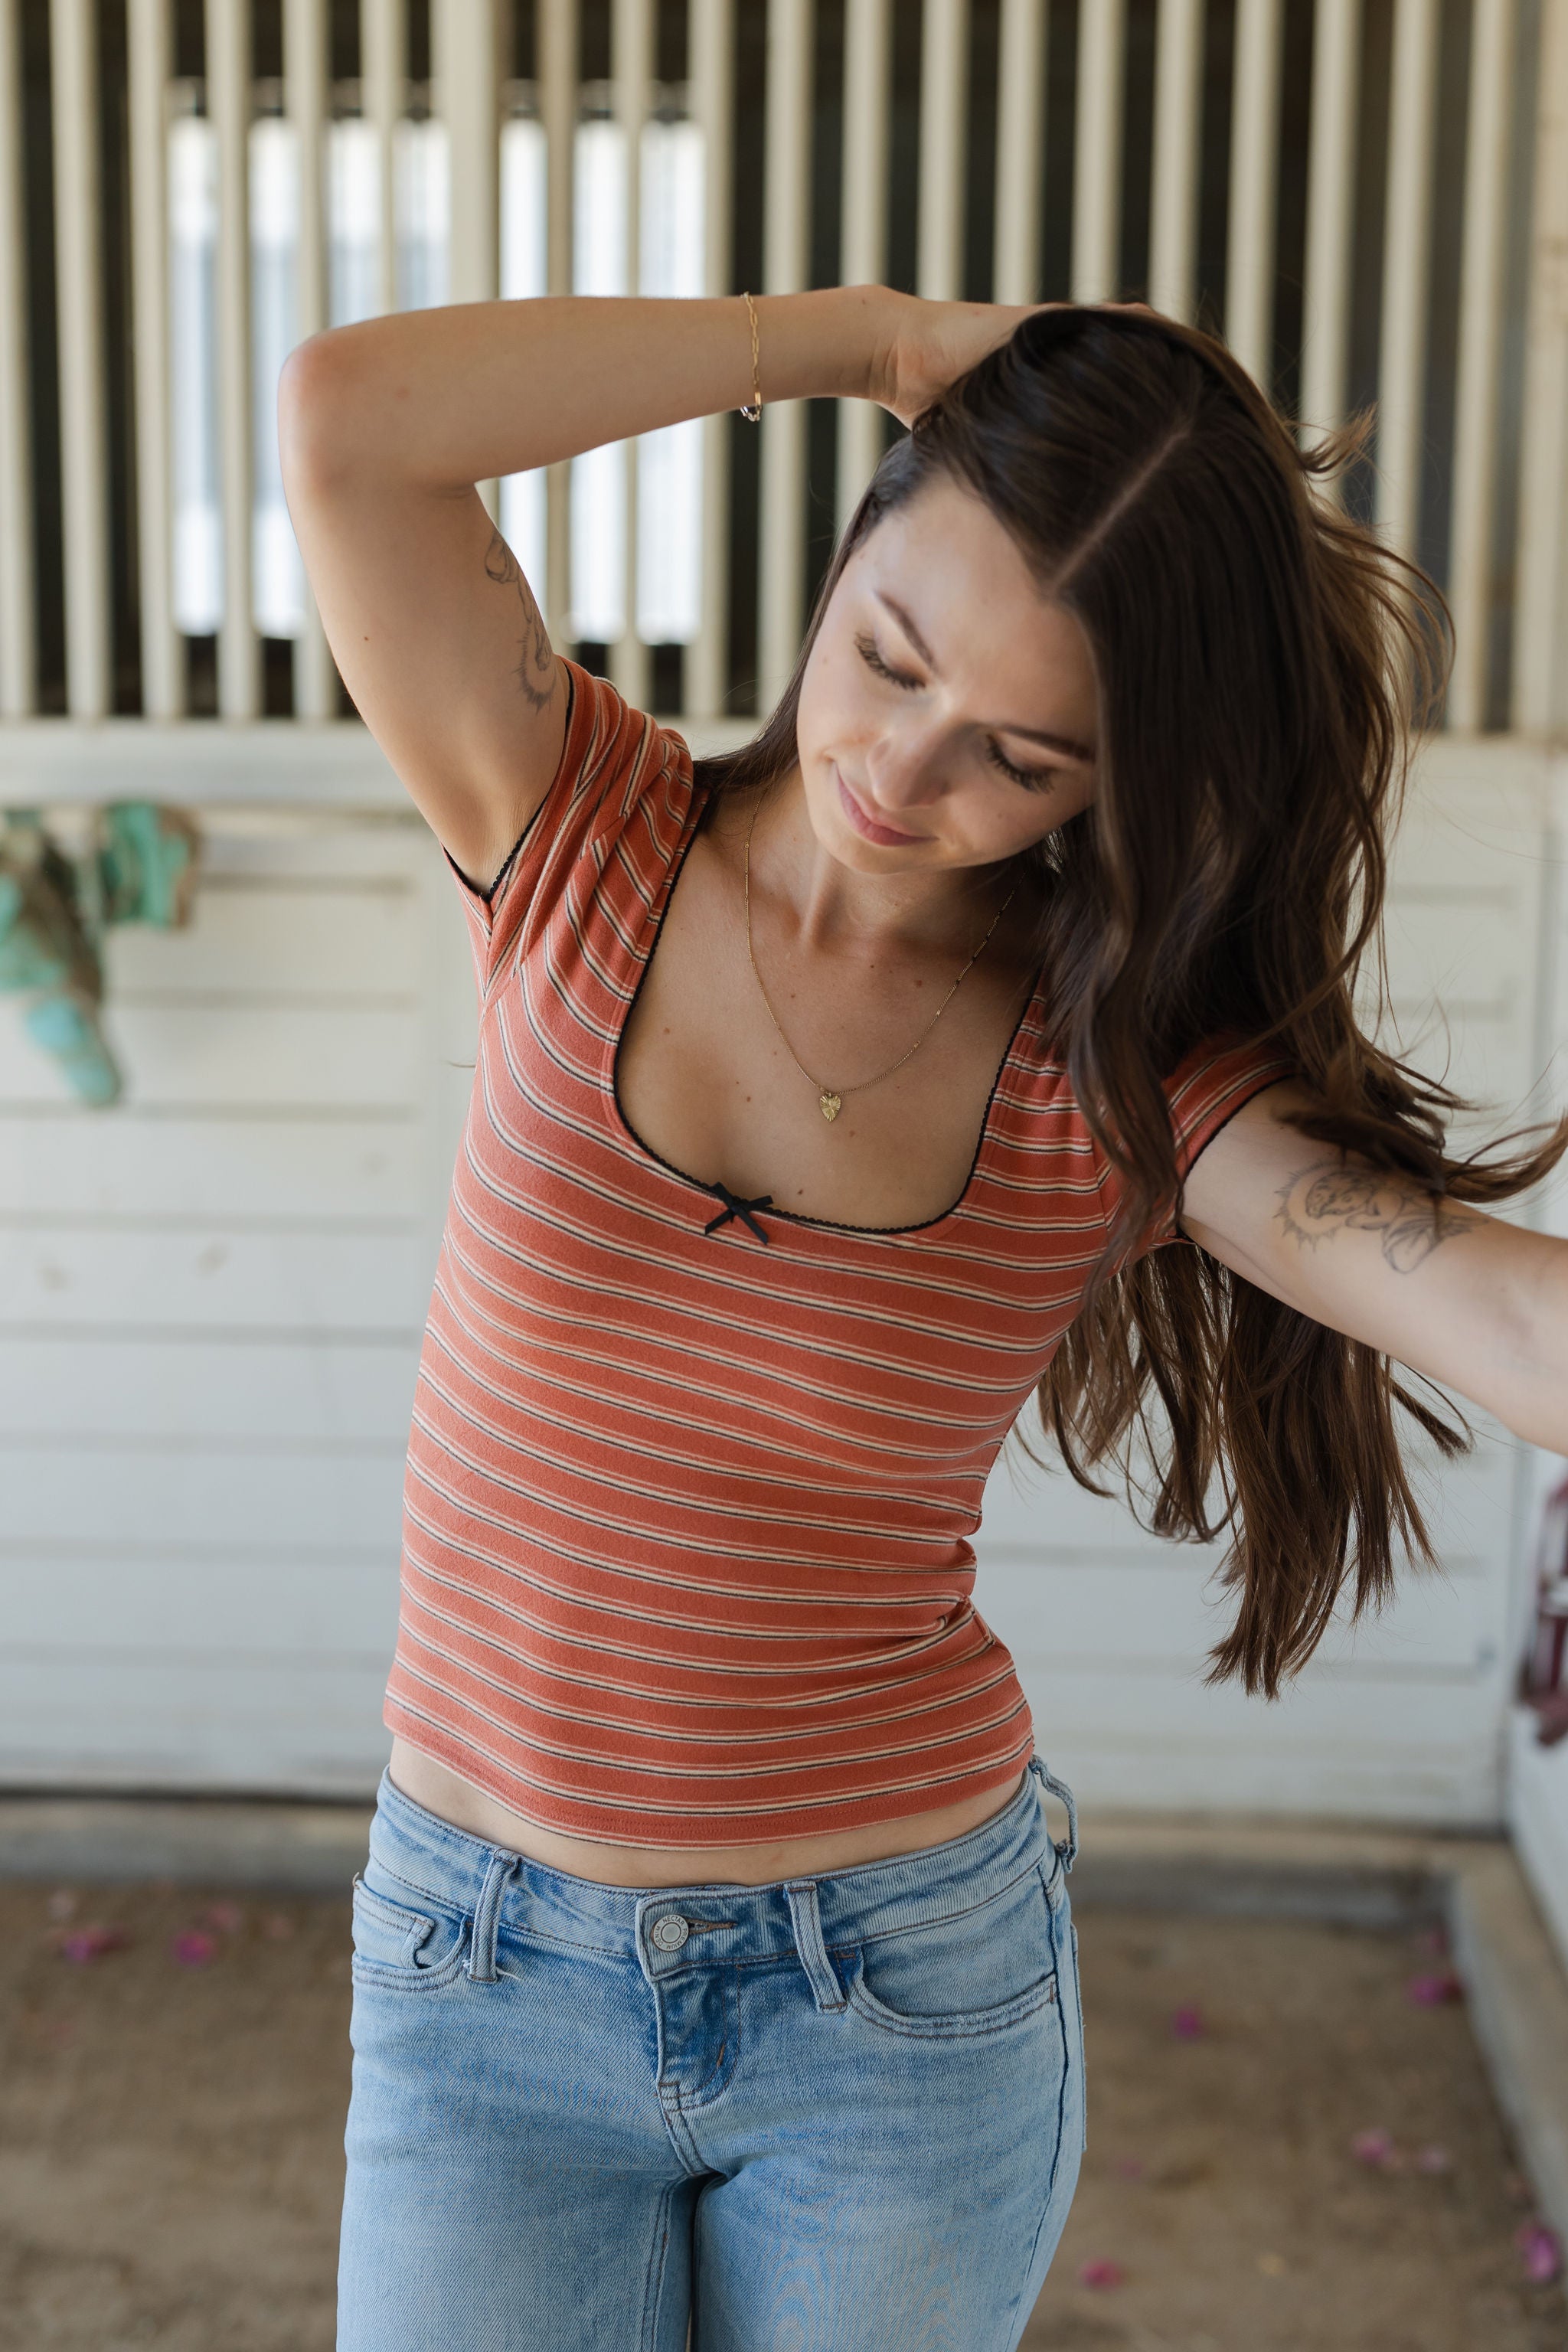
(713, 1960)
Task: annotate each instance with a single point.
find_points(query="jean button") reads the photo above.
(669, 1933)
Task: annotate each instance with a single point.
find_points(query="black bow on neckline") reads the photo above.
(736, 1207)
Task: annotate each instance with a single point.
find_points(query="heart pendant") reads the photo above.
(830, 1106)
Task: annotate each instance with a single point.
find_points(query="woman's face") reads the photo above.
(948, 712)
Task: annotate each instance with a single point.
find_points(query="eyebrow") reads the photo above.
(1067, 744)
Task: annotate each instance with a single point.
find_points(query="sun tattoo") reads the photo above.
(1329, 1197)
(535, 667)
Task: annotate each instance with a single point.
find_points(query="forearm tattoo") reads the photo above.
(1329, 1197)
(536, 664)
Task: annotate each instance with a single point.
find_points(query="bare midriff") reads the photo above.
(445, 1793)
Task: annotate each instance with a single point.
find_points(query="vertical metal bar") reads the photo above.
(383, 81)
(1330, 215)
(305, 76)
(787, 201)
(631, 69)
(149, 58)
(18, 627)
(1541, 594)
(557, 22)
(712, 76)
(1020, 147)
(465, 65)
(1493, 34)
(863, 237)
(228, 103)
(1097, 166)
(84, 448)
(1254, 187)
(1178, 135)
(945, 108)
(1406, 269)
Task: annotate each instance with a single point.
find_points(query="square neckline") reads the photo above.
(643, 954)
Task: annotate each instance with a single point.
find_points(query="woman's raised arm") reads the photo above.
(1466, 1298)
(386, 426)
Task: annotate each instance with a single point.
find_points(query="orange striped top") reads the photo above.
(690, 1488)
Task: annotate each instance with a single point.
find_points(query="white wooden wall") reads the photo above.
(210, 1307)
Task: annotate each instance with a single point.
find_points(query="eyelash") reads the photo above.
(1034, 779)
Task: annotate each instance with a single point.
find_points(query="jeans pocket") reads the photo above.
(992, 1967)
(399, 1945)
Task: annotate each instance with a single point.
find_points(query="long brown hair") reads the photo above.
(1262, 661)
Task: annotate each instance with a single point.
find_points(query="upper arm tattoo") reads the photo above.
(535, 667)
(1331, 1197)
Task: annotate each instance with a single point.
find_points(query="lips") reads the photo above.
(867, 826)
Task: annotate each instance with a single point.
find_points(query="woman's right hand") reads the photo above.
(926, 346)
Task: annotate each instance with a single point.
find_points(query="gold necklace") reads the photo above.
(830, 1101)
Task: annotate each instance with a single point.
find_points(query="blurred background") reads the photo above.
(236, 1002)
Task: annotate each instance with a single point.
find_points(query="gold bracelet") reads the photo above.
(753, 414)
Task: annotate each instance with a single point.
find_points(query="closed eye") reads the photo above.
(1033, 777)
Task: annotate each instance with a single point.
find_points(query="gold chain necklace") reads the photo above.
(829, 1101)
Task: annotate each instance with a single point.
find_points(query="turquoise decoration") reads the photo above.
(138, 867)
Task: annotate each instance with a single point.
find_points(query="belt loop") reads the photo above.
(1069, 1851)
(487, 1917)
(808, 1943)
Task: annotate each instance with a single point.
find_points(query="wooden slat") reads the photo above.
(228, 103)
(149, 60)
(194, 1281)
(197, 1390)
(1407, 270)
(278, 947)
(1020, 149)
(384, 79)
(464, 60)
(786, 218)
(711, 33)
(1254, 187)
(631, 70)
(1540, 591)
(19, 622)
(557, 39)
(145, 1608)
(1178, 136)
(283, 1057)
(78, 296)
(1493, 33)
(863, 221)
(1331, 214)
(305, 69)
(270, 1498)
(1096, 163)
(944, 107)
(71, 1167)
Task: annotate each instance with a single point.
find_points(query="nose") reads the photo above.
(904, 768)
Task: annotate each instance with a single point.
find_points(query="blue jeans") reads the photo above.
(833, 2114)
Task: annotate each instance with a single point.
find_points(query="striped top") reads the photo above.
(691, 1487)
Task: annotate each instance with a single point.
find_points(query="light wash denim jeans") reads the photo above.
(833, 2114)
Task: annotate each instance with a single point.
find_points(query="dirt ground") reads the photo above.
(171, 2114)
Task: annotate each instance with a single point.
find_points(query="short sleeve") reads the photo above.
(617, 768)
(1205, 1091)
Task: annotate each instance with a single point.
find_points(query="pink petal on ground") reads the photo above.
(62, 1904)
(227, 1919)
(1434, 2159)
(1187, 2024)
(1375, 2147)
(194, 1948)
(1433, 1940)
(1100, 2274)
(278, 1928)
(1540, 2253)
(1130, 2168)
(84, 1945)
(1434, 1991)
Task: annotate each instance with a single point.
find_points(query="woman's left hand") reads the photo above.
(932, 344)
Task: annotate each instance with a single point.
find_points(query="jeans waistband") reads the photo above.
(725, 1921)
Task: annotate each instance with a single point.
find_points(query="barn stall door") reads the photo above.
(210, 1312)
